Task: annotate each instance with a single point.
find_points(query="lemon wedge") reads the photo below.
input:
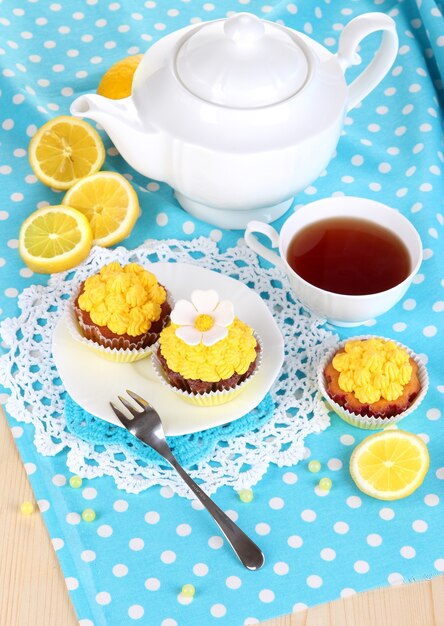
(64, 150)
(110, 204)
(390, 465)
(117, 82)
(54, 239)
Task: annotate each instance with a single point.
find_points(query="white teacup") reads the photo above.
(339, 309)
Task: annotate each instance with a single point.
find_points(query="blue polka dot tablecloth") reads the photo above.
(130, 564)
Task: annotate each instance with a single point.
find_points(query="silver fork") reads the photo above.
(147, 426)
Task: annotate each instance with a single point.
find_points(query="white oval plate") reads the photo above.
(93, 381)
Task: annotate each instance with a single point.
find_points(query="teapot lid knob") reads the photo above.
(244, 28)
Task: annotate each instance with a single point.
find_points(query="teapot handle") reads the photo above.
(350, 39)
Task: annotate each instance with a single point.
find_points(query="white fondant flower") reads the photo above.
(204, 319)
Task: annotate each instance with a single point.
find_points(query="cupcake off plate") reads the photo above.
(93, 381)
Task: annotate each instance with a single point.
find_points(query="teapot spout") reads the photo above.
(138, 144)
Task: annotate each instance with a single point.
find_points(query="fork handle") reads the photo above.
(248, 552)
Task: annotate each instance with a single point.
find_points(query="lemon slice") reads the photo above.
(54, 239)
(109, 202)
(390, 465)
(64, 150)
(117, 82)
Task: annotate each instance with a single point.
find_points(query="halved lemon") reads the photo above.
(64, 150)
(117, 82)
(54, 239)
(390, 465)
(109, 202)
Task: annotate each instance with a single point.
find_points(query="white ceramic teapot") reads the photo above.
(240, 114)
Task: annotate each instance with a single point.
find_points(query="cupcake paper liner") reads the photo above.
(86, 334)
(362, 421)
(212, 398)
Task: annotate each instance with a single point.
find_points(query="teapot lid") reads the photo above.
(242, 62)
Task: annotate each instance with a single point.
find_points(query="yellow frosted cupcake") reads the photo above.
(207, 354)
(372, 382)
(122, 309)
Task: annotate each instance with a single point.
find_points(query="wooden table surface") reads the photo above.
(33, 591)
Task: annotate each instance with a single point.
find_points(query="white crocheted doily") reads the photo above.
(28, 370)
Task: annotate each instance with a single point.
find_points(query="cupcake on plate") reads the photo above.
(207, 354)
(372, 382)
(121, 311)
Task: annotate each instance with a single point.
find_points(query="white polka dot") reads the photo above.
(266, 595)
(347, 440)
(409, 304)
(290, 478)
(438, 307)
(328, 554)
(188, 227)
(433, 414)
(420, 526)
(295, 541)
(440, 473)
(152, 517)
(431, 499)
(73, 518)
(218, 610)
(429, 331)
(5, 169)
(71, 583)
(347, 592)
(43, 505)
(120, 570)
(57, 543)
(59, 480)
(374, 540)
(104, 531)
(386, 513)
(162, 219)
(341, 528)
(136, 544)
(183, 530)
(17, 432)
(169, 621)
(314, 581)
(88, 556)
(136, 611)
(439, 565)
(361, 567)
(281, 568)
(276, 503)
(8, 124)
(166, 492)
(399, 327)
(308, 515)
(168, 556)
(25, 272)
(262, 528)
(357, 159)
(299, 607)
(197, 506)
(216, 235)
(233, 582)
(120, 506)
(395, 578)
(103, 597)
(216, 542)
(17, 197)
(152, 584)
(408, 552)
(334, 464)
(89, 493)
(30, 468)
(200, 569)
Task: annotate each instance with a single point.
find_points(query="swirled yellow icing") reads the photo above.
(231, 355)
(127, 299)
(373, 369)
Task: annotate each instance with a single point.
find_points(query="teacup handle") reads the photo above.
(350, 39)
(253, 243)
